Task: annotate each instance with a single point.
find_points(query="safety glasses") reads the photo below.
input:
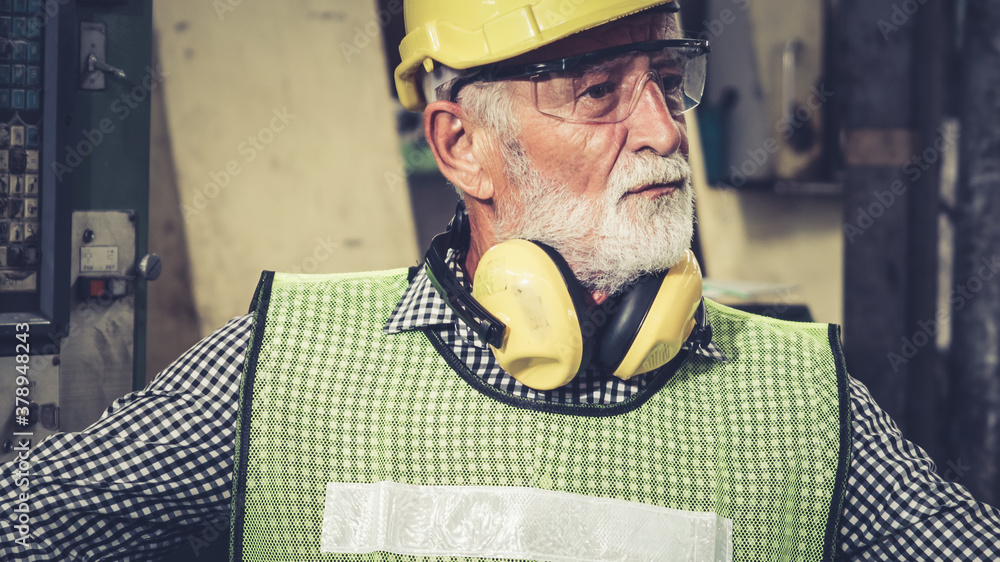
(605, 86)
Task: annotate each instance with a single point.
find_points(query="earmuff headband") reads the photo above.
(487, 327)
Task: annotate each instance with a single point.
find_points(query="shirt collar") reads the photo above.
(422, 307)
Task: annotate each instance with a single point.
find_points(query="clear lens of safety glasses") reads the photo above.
(607, 89)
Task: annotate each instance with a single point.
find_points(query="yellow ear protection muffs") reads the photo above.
(527, 305)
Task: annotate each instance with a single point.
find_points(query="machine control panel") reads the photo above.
(21, 87)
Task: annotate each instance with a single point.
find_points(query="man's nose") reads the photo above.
(651, 126)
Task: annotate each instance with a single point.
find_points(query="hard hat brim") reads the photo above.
(503, 37)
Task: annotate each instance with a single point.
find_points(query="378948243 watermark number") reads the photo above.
(22, 390)
(22, 410)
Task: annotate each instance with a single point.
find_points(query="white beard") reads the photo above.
(613, 243)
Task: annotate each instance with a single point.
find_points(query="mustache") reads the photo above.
(636, 170)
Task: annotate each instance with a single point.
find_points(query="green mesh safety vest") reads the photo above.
(761, 439)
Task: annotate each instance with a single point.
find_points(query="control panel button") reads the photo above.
(18, 160)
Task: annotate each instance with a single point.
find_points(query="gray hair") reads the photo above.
(490, 107)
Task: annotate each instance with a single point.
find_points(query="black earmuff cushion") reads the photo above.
(624, 325)
(579, 298)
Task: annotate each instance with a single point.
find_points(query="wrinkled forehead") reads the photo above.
(644, 26)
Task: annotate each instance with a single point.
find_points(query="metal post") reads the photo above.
(975, 350)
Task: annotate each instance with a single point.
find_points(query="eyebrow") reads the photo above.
(601, 65)
(661, 58)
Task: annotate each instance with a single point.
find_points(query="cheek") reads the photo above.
(579, 156)
(681, 121)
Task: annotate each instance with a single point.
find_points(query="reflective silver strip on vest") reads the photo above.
(520, 523)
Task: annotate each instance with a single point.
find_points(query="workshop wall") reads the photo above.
(780, 239)
(282, 145)
(172, 318)
(773, 238)
(790, 236)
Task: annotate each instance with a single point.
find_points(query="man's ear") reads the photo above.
(458, 148)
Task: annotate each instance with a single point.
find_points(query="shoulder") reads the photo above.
(220, 354)
(293, 279)
(279, 284)
(742, 333)
(897, 502)
(297, 300)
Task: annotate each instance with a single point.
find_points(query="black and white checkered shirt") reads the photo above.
(156, 469)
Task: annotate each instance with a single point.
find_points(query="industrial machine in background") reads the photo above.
(767, 119)
(75, 80)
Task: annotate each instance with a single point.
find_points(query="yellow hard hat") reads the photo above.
(463, 34)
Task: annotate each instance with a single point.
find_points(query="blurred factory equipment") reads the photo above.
(75, 79)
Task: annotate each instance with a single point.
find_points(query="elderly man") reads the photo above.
(549, 386)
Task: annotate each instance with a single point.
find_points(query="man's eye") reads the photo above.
(599, 91)
(672, 83)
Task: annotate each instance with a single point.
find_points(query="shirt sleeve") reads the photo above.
(896, 507)
(156, 467)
